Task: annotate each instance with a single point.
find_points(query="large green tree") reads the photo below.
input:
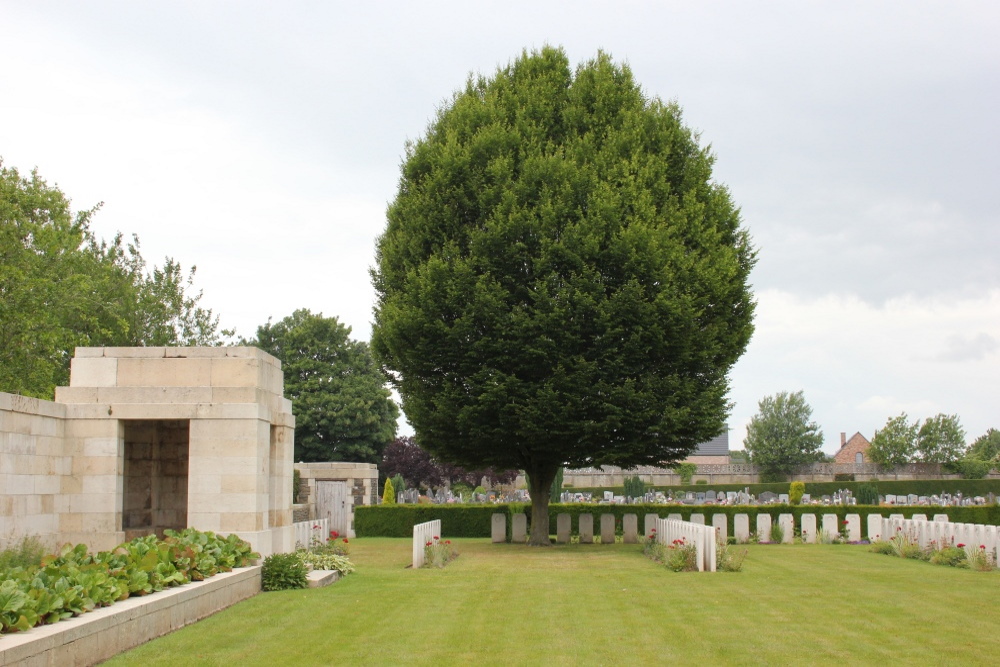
(62, 287)
(895, 443)
(343, 410)
(941, 439)
(560, 282)
(782, 434)
(986, 447)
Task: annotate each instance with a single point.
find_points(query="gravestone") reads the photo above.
(853, 527)
(586, 523)
(519, 528)
(607, 529)
(767, 497)
(827, 500)
(806, 498)
(564, 523)
(499, 528)
(923, 500)
(650, 523)
(763, 527)
(721, 524)
(609, 495)
(830, 527)
(919, 517)
(630, 529)
(674, 517)
(732, 496)
(698, 518)
(942, 518)
(787, 523)
(741, 527)
(783, 498)
(710, 495)
(700, 497)
(912, 499)
(875, 527)
(808, 528)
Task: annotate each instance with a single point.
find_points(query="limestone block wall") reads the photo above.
(361, 480)
(32, 467)
(146, 439)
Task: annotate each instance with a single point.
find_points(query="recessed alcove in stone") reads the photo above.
(155, 472)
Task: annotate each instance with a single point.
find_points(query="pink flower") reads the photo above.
(316, 527)
(982, 546)
(654, 530)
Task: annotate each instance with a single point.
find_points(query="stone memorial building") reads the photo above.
(146, 439)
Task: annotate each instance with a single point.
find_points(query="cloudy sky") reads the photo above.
(261, 142)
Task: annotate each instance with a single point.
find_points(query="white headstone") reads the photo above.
(630, 529)
(853, 527)
(650, 523)
(519, 528)
(698, 518)
(808, 528)
(721, 524)
(830, 528)
(875, 528)
(787, 523)
(499, 528)
(763, 527)
(741, 527)
(607, 529)
(564, 525)
(586, 528)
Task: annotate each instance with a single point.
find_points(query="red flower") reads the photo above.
(654, 530)
(436, 537)
(334, 533)
(982, 546)
(429, 543)
(960, 545)
(447, 541)
(316, 527)
(346, 541)
(844, 522)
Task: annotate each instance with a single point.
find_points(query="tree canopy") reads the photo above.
(895, 444)
(986, 447)
(62, 287)
(560, 282)
(343, 410)
(781, 435)
(941, 439)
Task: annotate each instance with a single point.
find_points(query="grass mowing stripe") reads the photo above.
(594, 604)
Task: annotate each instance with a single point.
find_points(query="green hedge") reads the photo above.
(474, 520)
(920, 487)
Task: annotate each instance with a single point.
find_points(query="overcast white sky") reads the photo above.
(261, 141)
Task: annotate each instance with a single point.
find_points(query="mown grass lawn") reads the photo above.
(605, 605)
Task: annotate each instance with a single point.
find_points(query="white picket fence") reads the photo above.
(306, 531)
(422, 534)
(700, 535)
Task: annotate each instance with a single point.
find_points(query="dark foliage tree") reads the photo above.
(343, 410)
(61, 287)
(418, 468)
(782, 434)
(560, 282)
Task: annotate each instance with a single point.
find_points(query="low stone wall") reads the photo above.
(106, 632)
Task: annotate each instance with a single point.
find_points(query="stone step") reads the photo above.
(320, 578)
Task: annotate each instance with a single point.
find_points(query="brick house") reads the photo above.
(854, 450)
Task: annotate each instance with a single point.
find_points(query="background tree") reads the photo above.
(560, 282)
(61, 287)
(343, 410)
(986, 447)
(404, 457)
(896, 443)
(781, 435)
(388, 493)
(941, 439)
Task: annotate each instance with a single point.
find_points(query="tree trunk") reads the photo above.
(540, 484)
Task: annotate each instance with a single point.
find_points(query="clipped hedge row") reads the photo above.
(919, 487)
(474, 520)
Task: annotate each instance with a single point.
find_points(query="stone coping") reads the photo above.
(103, 633)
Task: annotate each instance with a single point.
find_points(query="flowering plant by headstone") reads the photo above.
(438, 552)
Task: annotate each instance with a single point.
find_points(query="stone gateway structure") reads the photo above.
(146, 439)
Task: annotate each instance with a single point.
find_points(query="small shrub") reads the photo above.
(777, 533)
(398, 485)
(979, 559)
(686, 471)
(681, 556)
(867, 493)
(728, 560)
(701, 481)
(28, 553)
(951, 556)
(438, 552)
(883, 547)
(634, 487)
(319, 561)
(795, 492)
(388, 495)
(843, 477)
(282, 572)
